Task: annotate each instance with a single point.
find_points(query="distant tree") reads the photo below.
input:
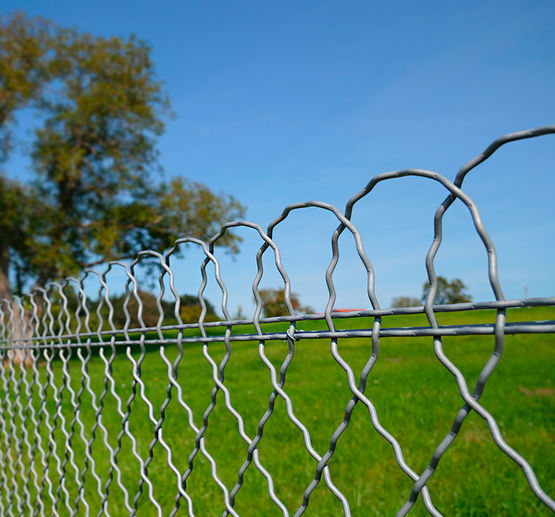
(239, 314)
(190, 310)
(405, 301)
(273, 303)
(453, 291)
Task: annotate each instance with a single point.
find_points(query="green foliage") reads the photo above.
(151, 314)
(453, 291)
(405, 301)
(17, 203)
(13, 218)
(70, 313)
(191, 206)
(95, 196)
(190, 309)
(273, 303)
(25, 64)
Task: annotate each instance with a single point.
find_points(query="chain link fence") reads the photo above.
(87, 428)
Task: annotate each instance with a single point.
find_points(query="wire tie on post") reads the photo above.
(291, 333)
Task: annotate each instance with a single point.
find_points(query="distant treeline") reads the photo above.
(99, 310)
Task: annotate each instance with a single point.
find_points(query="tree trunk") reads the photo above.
(16, 323)
(5, 293)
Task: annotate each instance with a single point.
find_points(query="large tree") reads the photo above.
(26, 52)
(95, 195)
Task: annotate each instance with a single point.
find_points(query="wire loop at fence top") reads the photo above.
(59, 454)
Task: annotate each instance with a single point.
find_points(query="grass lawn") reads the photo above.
(415, 396)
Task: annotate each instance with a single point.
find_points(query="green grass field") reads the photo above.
(415, 396)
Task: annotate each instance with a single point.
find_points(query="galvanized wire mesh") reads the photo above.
(68, 438)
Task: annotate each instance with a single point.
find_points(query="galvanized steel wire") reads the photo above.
(41, 475)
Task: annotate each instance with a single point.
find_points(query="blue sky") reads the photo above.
(283, 102)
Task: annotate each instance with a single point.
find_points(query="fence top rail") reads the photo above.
(524, 328)
(484, 329)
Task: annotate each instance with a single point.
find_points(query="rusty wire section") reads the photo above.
(58, 455)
